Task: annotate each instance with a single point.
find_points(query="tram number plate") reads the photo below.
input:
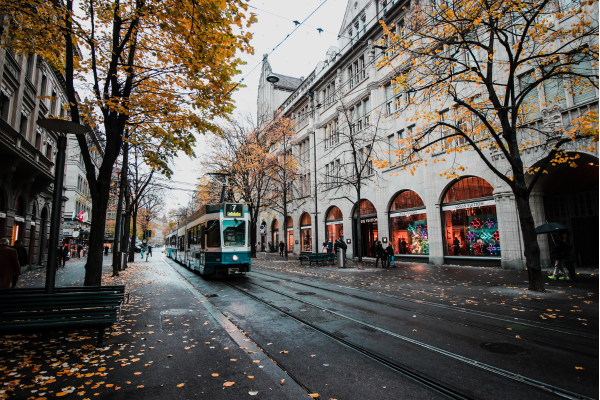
(234, 271)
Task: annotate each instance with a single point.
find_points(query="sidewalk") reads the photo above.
(169, 345)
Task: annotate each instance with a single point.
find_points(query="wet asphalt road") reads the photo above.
(470, 331)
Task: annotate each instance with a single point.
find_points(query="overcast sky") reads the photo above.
(297, 56)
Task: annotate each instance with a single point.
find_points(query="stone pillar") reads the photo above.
(536, 202)
(511, 241)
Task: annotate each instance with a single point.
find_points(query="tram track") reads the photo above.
(431, 383)
(514, 320)
(458, 298)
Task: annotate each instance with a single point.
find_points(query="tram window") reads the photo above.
(234, 232)
(213, 234)
(201, 236)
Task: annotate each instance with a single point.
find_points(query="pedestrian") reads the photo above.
(324, 247)
(562, 250)
(281, 248)
(79, 249)
(384, 258)
(63, 254)
(456, 245)
(390, 255)
(378, 253)
(105, 250)
(85, 250)
(402, 246)
(10, 269)
(21, 253)
(150, 250)
(144, 249)
(329, 246)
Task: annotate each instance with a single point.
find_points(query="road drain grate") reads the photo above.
(504, 348)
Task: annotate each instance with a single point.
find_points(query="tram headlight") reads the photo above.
(235, 258)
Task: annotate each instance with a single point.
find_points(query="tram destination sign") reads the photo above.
(474, 204)
(233, 210)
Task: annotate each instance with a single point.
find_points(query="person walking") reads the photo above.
(281, 248)
(21, 253)
(329, 246)
(85, 250)
(378, 253)
(10, 269)
(79, 249)
(324, 247)
(63, 254)
(562, 249)
(105, 250)
(390, 255)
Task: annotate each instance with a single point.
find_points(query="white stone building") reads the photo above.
(426, 217)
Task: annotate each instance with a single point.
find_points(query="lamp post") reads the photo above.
(62, 128)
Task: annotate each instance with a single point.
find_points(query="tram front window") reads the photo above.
(234, 232)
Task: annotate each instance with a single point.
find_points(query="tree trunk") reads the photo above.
(531, 248)
(252, 233)
(95, 259)
(126, 229)
(133, 234)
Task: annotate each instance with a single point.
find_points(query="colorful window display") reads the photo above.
(408, 224)
(334, 227)
(290, 234)
(306, 232)
(471, 224)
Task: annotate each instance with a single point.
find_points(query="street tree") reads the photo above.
(166, 64)
(353, 141)
(476, 76)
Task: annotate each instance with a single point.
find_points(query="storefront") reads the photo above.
(290, 234)
(275, 235)
(18, 228)
(368, 229)
(408, 224)
(470, 220)
(263, 235)
(334, 224)
(305, 232)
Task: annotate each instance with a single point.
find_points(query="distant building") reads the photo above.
(270, 95)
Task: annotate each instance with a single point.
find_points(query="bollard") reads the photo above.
(340, 258)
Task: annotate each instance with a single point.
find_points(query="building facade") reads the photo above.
(426, 217)
(27, 152)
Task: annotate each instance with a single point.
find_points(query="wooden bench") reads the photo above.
(40, 312)
(316, 258)
(116, 289)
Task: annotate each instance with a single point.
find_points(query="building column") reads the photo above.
(511, 241)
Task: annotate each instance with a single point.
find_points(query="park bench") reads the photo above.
(317, 258)
(27, 312)
(116, 289)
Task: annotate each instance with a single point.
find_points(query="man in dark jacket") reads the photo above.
(9, 265)
(21, 253)
(389, 251)
(63, 253)
(79, 248)
(281, 248)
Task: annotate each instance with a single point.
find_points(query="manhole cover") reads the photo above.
(305, 293)
(211, 295)
(504, 348)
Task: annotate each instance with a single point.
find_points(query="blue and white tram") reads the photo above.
(215, 241)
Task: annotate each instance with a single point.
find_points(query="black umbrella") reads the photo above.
(550, 227)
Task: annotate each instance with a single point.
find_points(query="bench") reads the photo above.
(116, 289)
(319, 257)
(40, 312)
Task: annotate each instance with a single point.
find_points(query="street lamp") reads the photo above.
(62, 128)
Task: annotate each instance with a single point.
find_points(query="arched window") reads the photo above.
(305, 220)
(366, 208)
(468, 188)
(408, 224)
(334, 226)
(334, 214)
(470, 220)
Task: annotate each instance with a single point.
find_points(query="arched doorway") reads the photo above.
(469, 218)
(18, 230)
(571, 199)
(306, 232)
(408, 224)
(368, 228)
(289, 231)
(334, 224)
(43, 233)
(275, 234)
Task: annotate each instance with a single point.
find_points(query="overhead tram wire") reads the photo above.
(275, 48)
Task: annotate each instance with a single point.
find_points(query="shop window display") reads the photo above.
(471, 224)
(290, 234)
(306, 232)
(408, 224)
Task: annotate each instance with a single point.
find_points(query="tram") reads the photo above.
(214, 241)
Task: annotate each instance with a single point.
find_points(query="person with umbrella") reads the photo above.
(562, 254)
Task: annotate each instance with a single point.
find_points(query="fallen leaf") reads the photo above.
(282, 382)
(215, 374)
(578, 367)
(140, 386)
(62, 394)
(250, 376)
(313, 355)
(253, 393)
(314, 395)
(182, 384)
(135, 373)
(170, 355)
(256, 361)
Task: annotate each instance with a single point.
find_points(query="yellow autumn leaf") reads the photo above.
(181, 385)
(229, 384)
